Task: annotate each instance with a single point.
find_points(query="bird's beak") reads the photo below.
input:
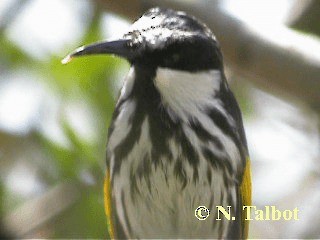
(120, 48)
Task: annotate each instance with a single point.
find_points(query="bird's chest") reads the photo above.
(158, 194)
(160, 167)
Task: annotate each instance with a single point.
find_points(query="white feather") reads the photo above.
(128, 84)
(187, 93)
(121, 124)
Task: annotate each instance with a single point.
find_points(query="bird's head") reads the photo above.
(163, 38)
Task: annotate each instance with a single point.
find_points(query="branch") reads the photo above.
(305, 16)
(130, 9)
(35, 213)
(286, 70)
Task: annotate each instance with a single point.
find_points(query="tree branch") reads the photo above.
(35, 213)
(305, 16)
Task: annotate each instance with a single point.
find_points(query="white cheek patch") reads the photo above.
(185, 93)
(188, 95)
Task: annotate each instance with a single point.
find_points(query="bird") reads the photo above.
(176, 139)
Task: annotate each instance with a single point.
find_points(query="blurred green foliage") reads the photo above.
(89, 80)
(86, 217)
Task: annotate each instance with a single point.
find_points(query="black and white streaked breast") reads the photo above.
(175, 141)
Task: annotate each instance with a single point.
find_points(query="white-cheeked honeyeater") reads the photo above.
(176, 140)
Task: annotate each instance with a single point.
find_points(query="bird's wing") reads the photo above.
(107, 203)
(245, 192)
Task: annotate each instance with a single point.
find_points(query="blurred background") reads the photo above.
(54, 117)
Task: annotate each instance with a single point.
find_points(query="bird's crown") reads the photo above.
(158, 28)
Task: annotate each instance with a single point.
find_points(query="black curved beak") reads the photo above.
(121, 48)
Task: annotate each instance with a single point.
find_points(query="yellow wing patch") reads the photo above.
(245, 190)
(107, 203)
